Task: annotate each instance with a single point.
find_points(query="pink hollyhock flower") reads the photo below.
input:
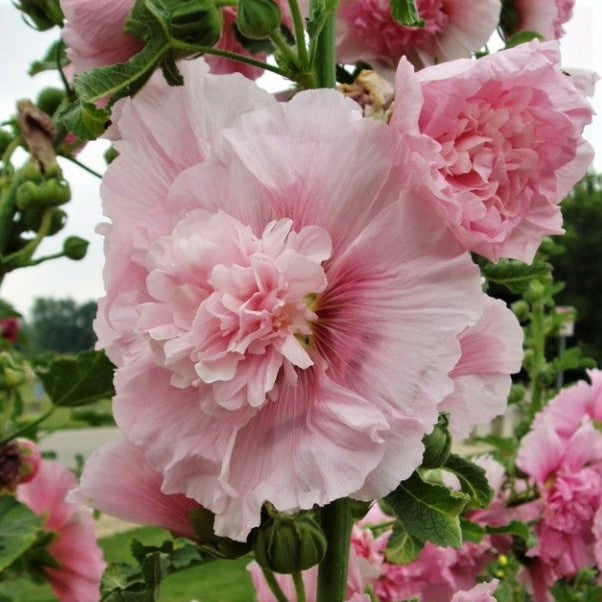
(479, 593)
(545, 17)
(118, 480)
(453, 29)
(94, 33)
(492, 349)
(260, 309)
(584, 80)
(501, 180)
(566, 411)
(9, 329)
(77, 578)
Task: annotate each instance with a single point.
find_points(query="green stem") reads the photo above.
(14, 260)
(8, 153)
(325, 57)
(299, 34)
(84, 167)
(194, 48)
(25, 428)
(224, 3)
(539, 358)
(299, 587)
(7, 208)
(7, 410)
(273, 585)
(336, 522)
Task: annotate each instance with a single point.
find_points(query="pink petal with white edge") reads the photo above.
(491, 350)
(118, 480)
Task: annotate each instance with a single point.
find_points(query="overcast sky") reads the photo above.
(19, 45)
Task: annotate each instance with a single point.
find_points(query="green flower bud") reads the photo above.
(47, 194)
(289, 544)
(49, 100)
(44, 14)
(75, 247)
(111, 154)
(257, 19)
(12, 375)
(520, 309)
(437, 444)
(5, 140)
(197, 22)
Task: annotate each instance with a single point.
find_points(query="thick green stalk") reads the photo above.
(325, 54)
(337, 521)
(299, 33)
(539, 359)
(299, 587)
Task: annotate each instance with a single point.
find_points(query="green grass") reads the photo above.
(220, 581)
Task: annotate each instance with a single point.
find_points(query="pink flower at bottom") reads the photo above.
(285, 327)
(483, 592)
(74, 548)
(498, 121)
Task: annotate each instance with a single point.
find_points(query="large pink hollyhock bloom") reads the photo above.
(118, 480)
(498, 121)
(453, 29)
(492, 349)
(275, 310)
(77, 578)
(546, 17)
(94, 33)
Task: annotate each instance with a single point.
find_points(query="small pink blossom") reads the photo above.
(9, 329)
(453, 29)
(77, 578)
(545, 17)
(118, 480)
(94, 33)
(498, 121)
(274, 341)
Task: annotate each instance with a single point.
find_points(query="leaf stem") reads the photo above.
(25, 428)
(273, 585)
(282, 45)
(84, 167)
(299, 34)
(337, 521)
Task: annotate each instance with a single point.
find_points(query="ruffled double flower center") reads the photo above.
(232, 311)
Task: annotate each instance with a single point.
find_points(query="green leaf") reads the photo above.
(402, 548)
(85, 120)
(471, 531)
(124, 79)
(515, 275)
(78, 380)
(429, 512)
(572, 359)
(515, 528)
(473, 480)
(19, 528)
(404, 12)
(54, 56)
(522, 37)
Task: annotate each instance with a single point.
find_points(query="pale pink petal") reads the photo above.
(94, 33)
(541, 452)
(479, 593)
(546, 17)
(118, 480)
(492, 349)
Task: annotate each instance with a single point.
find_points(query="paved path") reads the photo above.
(69, 443)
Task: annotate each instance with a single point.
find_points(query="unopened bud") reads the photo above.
(289, 544)
(5, 140)
(257, 19)
(50, 193)
(9, 329)
(30, 459)
(49, 100)
(437, 445)
(197, 22)
(12, 374)
(43, 13)
(75, 247)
